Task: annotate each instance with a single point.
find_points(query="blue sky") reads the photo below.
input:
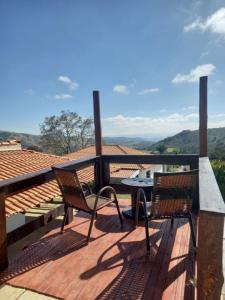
(145, 57)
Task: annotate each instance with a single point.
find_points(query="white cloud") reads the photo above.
(194, 74)
(63, 96)
(214, 23)
(148, 91)
(157, 126)
(72, 84)
(162, 125)
(29, 92)
(64, 79)
(121, 89)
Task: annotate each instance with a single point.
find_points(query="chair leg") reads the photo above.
(119, 213)
(172, 221)
(192, 230)
(136, 213)
(66, 209)
(91, 225)
(146, 227)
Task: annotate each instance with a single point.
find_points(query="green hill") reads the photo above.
(187, 141)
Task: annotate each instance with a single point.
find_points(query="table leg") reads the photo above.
(129, 211)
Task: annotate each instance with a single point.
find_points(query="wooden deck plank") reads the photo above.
(113, 266)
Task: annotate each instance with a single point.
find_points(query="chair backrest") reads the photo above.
(70, 188)
(173, 192)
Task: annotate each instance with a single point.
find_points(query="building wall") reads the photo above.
(14, 222)
(10, 147)
(146, 172)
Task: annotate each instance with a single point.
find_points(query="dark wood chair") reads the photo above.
(172, 197)
(79, 195)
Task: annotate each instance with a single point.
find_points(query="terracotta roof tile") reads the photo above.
(19, 162)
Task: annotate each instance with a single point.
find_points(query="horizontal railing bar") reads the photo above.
(210, 197)
(170, 159)
(20, 183)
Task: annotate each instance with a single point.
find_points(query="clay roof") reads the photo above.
(19, 162)
(107, 149)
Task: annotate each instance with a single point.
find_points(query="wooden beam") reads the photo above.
(210, 277)
(3, 236)
(203, 117)
(97, 123)
(170, 159)
(98, 138)
(210, 250)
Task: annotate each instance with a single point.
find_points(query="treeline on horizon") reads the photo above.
(185, 142)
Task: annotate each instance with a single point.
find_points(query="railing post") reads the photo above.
(98, 137)
(203, 117)
(3, 236)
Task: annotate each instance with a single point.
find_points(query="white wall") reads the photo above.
(152, 169)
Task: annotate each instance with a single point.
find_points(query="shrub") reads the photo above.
(219, 171)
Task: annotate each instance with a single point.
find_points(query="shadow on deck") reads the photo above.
(113, 266)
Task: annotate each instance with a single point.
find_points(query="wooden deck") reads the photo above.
(113, 266)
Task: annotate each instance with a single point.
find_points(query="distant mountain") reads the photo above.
(132, 142)
(28, 141)
(31, 141)
(187, 141)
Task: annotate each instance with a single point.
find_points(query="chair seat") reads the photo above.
(102, 201)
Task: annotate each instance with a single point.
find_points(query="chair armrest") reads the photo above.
(107, 188)
(87, 186)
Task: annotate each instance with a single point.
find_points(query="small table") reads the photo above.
(135, 183)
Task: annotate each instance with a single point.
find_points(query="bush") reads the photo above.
(219, 171)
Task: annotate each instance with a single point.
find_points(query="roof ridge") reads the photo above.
(42, 153)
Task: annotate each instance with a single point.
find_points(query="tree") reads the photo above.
(161, 148)
(65, 133)
(219, 152)
(176, 151)
(86, 132)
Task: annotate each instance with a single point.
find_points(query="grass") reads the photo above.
(123, 196)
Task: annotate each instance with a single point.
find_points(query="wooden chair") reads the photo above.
(73, 196)
(172, 197)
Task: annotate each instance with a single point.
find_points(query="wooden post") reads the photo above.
(203, 117)
(210, 256)
(97, 122)
(3, 236)
(98, 138)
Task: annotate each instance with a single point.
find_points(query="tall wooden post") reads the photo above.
(203, 117)
(98, 140)
(97, 122)
(3, 236)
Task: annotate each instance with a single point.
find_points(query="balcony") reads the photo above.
(114, 265)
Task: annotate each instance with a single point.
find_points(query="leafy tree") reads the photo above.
(176, 151)
(161, 148)
(66, 133)
(219, 152)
